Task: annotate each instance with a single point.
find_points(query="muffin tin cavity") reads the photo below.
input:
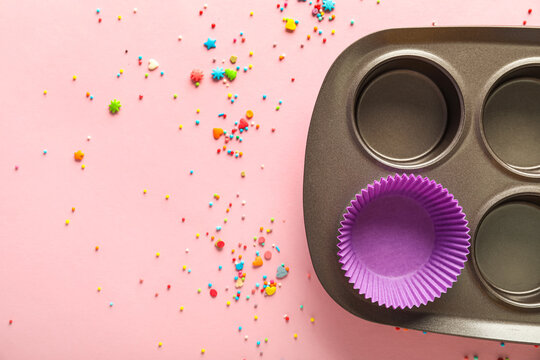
(408, 112)
(511, 120)
(507, 250)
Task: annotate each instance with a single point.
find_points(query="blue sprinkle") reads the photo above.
(258, 343)
(189, 271)
(91, 97)
(218, 228)
(111, 304)
(191, 172)
(118, 75)
(140, 57)
(162, 73)
(280, 102)
(209, 285)
(45, 152)
(239, 328)
(220, 267)
(265, 277)
(257, 253)
(221, 114)
(242, 34)
(235, 278)
(197, 122)
(232, 101)
(210, 204)
(277, 248)
(236, 96)
(264, 97)
(97, 11)
(257, 285)
(296, 22)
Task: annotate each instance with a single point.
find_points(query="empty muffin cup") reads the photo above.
(511, 120)
(507, 250)
(409, 112)
(403, 241)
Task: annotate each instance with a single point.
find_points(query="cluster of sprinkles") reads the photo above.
(262, 266)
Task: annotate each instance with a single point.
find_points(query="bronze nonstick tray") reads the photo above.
(460, 106)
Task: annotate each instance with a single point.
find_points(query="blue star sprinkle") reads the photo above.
(218, 73)
(328, 5)
(210, 44)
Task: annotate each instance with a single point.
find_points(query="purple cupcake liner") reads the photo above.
(403, 241)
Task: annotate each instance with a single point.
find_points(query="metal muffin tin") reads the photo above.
(460, 106)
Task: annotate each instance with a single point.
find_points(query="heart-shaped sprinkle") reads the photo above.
(217, 132)
(152, 64)
(257, 262)
(290, 25)
(243, 124)
(213, 293)
(281, 272)
(233, 59)
(270, 290)
(239, 266)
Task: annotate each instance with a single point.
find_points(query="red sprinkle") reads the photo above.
(10, 322)
(213, 293)
(200, 12)
(168, 287)
(530, 11)
(140, 97)
(213, 26)
(99, 20)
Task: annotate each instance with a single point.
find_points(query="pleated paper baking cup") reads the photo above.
(403, 241)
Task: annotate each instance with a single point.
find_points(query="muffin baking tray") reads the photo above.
(460, 106)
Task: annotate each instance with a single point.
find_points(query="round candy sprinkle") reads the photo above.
(213, 292)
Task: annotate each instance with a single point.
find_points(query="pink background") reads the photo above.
(50, 272)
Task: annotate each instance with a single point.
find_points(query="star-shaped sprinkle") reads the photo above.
(210, 44)
(218, 73)
(114, 106)
(328, 5)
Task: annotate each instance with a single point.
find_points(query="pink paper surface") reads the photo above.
(50, 272)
